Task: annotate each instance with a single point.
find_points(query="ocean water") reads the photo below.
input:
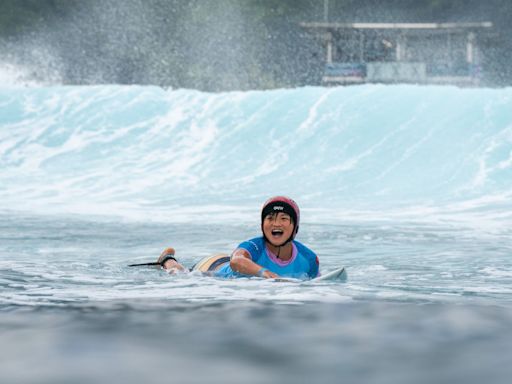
(407, 186)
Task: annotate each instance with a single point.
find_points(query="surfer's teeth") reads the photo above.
(277, 232)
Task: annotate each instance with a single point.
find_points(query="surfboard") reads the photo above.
(205, 265)
(338, 274)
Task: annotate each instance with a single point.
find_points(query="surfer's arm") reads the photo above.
(241, 262)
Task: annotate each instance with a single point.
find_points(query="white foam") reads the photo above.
(142, 152)
(497, 272)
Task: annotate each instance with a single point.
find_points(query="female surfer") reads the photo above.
(273, 255)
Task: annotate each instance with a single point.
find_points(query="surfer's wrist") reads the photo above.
(261, 272)
(166, 259)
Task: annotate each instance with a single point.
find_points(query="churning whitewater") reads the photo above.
(368, 152)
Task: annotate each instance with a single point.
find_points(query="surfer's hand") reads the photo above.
(270, 275)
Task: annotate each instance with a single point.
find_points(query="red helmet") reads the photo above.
(282, 204)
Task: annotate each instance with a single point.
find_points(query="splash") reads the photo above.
(15, 76)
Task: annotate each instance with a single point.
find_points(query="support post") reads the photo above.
(328, 37)
(470, 51)
(326, 11)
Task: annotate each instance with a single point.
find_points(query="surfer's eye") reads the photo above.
(270, 216)
(285, 218)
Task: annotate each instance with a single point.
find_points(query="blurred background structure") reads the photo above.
(434, 53)
(257, 44)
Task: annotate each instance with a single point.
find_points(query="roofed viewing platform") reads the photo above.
(427, 53)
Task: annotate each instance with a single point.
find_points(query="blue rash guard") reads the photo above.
(302, 265)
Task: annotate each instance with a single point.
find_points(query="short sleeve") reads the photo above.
(314, 267)
(253, 247)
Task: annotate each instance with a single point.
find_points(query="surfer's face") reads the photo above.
(278, 227)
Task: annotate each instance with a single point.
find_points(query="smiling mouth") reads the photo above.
(277, 232)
